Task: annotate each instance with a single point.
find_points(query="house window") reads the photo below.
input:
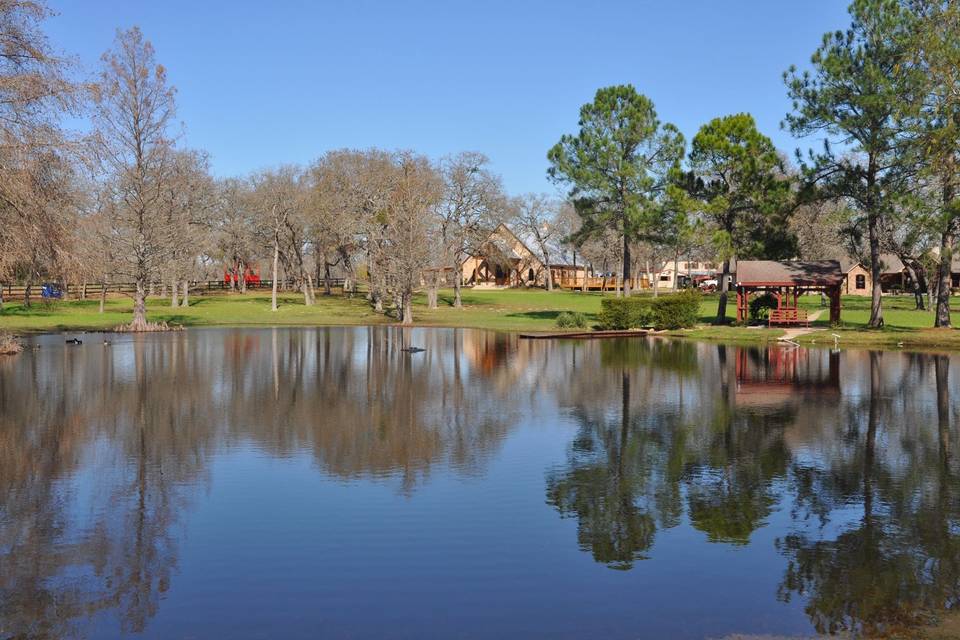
(861, 281)
(665, 278)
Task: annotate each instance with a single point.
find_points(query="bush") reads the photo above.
(760, 306)
(676, 311)
(672, 311)
(625, 313)
(571, 320)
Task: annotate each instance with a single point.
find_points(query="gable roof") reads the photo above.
(890, 264)
(500, 237)
(789, 272)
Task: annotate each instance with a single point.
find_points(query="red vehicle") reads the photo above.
(251, 276)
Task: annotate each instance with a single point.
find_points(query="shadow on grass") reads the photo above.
(547, 314)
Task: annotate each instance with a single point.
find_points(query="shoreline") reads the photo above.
(526, 312)
(735, 336)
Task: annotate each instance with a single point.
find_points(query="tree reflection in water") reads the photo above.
(848, 461)
(761, 435)
(129, 432)
(897, 563)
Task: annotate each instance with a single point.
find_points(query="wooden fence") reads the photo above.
(12, 291)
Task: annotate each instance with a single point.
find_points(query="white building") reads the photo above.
(685, 270)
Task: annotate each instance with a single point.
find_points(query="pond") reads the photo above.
(323, 482)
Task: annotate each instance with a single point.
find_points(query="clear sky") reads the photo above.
(265, 83)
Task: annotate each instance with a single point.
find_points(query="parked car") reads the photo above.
(709, 285)
(50, 290)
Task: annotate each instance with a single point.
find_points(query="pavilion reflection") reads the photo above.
(783, 375)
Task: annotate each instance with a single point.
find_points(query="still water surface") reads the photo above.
(308, 483)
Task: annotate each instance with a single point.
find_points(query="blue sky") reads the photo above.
(266, 83)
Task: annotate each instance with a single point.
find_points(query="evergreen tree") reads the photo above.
(618, 166)
(738, 180)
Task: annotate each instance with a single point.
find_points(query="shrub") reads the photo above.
(571, 320)
(673, 311)
(625, 313)
(761, 305)
(676, 311)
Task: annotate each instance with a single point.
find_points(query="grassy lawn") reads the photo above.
(507, 309)
(510, 309)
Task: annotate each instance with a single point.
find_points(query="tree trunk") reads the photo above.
(457, 284)
(876, 310)
(305, 288)
(83, 290)
(174, 293)
(140, 308)
(626, 266)
(676, 272)
(163, 288)
(327, 287)
(186, 294)
(1, 296)
(549, 274)
(724, 289)
(406, 303)
(916, 281)
(432, 291)
(276, 268)
(942, 318)
(656, 284)
(103, 295)
(947, 240)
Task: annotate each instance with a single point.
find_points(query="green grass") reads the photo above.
(513, 310)
(505, 309)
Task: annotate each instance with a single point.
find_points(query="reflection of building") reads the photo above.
(780, 375)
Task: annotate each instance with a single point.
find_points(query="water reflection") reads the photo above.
(101, 449)
(866, 475)
(838, 470)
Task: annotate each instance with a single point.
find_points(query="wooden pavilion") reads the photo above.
(787, 280)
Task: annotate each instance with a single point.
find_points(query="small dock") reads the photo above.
(584, 335)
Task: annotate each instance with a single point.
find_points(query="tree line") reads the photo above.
(127, 201)
(884, 95)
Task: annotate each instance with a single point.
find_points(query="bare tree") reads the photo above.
(234, 223)
(410, 230)
(35, 173)
(471, 205)
(277, 195)
(536, 217)
(134, 146)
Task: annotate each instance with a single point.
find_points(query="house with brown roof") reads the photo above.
(894, 275)
(505, 260)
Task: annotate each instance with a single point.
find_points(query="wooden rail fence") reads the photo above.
(12, 291)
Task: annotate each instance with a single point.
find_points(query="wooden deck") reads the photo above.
(600, 284)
